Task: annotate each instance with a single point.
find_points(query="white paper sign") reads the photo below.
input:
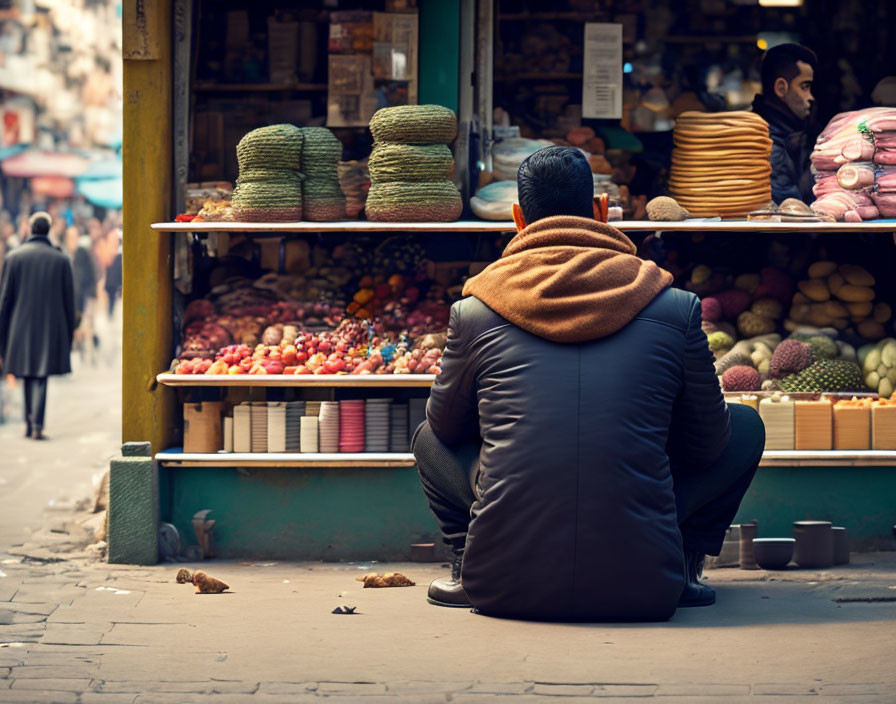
(602, 77)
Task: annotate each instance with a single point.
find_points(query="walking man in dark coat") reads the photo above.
(578, 454)
(37, 318)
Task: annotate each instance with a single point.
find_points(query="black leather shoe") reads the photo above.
(695, 593)
(449, 592)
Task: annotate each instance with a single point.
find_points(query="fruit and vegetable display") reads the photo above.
(354, 347)
(411, 167)
(855, 166)
(816, 332)
(333, 318)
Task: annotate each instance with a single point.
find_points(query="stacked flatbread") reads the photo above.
(720, 163)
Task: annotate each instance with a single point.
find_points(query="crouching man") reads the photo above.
(578, 454)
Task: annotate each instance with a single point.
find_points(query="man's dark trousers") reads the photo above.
(707, 499)
(35, 401)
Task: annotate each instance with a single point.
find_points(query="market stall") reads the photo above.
(282, 331)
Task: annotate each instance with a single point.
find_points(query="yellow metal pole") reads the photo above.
(147, 412)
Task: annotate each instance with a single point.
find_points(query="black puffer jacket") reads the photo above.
(791, 147)
(577, 517)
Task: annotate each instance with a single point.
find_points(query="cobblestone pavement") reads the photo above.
(76, 630)
(79, 632)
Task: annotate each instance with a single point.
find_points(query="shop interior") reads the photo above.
(391, 291)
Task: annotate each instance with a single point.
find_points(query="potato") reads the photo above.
(816, 289)
(835, 309)
(862, 309)
(885, 389)
(800, 297)
(835, 282)
(856, 275)
(855, 294)
(871, 329)
(821, 269)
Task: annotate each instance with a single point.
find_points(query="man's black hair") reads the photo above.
(780, 62)
(555, 181)
(40, 224)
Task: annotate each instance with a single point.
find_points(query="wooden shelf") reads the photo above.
(207, 87)
(535, 76)
(828, 458)
(552, 16)
(367, 381)
(691, 225)
(772, 458)
(176, 458)
(710, 39)
(346, 226)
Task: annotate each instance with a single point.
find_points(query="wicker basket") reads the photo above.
(436, 201)
(274, 147)
(406, 162)
(414, 124)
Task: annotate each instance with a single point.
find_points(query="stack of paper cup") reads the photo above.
(328, 427)
(308, 442)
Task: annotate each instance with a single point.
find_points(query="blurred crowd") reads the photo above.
(92, 241)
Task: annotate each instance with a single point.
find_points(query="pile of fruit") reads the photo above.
(841, 297)
(879, 366)
(352, 348)
(811, 349)
(389, 288)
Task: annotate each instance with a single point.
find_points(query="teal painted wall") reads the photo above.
(376, 513)
(861, 499)
(312, 514)
(439, 55)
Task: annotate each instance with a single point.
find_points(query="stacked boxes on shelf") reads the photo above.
(825, 424)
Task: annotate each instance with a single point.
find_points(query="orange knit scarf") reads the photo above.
(569, 279)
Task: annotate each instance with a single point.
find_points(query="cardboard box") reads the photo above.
(852, 426)
(813, 425)
(883, 426)
(203, 430)
(777, 412)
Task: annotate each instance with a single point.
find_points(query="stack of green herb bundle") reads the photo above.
(411, 166)
(323, 199)
(269, 187)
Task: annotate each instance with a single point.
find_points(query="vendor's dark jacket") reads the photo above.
(791, 147)
(575, 517)
(37, 310)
